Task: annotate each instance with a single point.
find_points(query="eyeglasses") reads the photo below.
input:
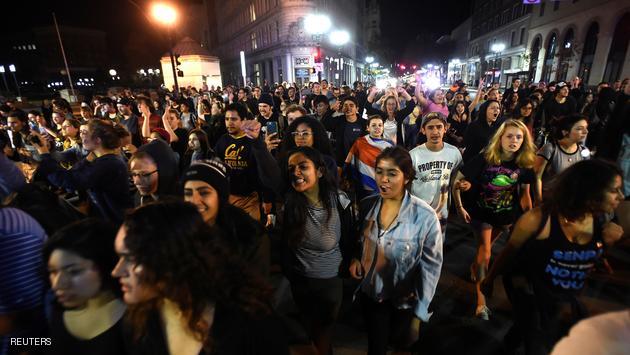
(301, 134)
(142, 176)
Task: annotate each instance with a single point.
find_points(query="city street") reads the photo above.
(453, 329)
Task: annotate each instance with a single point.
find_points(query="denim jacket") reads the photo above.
(403, 263)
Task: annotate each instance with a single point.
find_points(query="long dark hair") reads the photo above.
(296, 203)
(321, 143)
(483, 109)
(580, 189)
(203, 143)
(91, 239)
(182, 255)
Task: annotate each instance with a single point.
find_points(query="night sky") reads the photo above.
(410, 27)
(406, 27)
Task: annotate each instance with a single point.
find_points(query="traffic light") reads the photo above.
(317, 55)
(180, 73)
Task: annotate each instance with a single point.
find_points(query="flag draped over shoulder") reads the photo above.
(362, 159)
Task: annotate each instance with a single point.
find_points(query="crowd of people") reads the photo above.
(149, 221)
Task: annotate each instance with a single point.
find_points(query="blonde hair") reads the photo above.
(525, 155)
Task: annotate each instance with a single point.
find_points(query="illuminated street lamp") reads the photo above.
(317, 25)
(497, 48)
(17, 85)
(369, 59)
(2, 70)
(339, 38)
(167, 15)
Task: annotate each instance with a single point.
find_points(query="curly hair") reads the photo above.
(186, 263)
(580, 189)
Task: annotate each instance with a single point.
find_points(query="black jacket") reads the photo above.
(400, 117)
(337, 125)
(478, 135)
(106, 180)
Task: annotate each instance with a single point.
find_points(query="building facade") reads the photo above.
(584, 38)
(277, 46)
(550, 41)
(497, 24)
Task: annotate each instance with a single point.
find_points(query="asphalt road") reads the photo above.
(453, 329)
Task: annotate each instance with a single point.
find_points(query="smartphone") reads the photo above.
(272, 127)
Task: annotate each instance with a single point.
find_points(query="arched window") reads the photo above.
(618, 49)
(533, 59)
(588, 52)
(566, 55)
(549, 55)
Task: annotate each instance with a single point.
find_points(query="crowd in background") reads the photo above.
(149, 221)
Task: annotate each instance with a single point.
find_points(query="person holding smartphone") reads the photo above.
(252, 166)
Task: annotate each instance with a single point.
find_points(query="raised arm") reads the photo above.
(479, 94)
(167, 127)
(418, 92)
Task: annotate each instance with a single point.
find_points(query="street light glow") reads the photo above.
(369, 59)
(497, 47)
(112, 72)
(339, 38)
(12, 68)
(317, 24)
(164, 13)
(2, 69)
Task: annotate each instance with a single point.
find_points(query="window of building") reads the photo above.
(533, 62)
(566, 55)
(618, 50)
(516, 11)
(513, 39)
(522, 37)
(588, 52)
(277, 31)
(254, 43)
(542, 9)
(556, 5)
(549, 57)
(252, 12)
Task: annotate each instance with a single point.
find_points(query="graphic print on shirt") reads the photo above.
(499, 188)
(233, 157)
(439, 170)
(567, 269)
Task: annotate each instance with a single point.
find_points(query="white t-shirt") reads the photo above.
(605, 334)
(389, 130)
(434, 171)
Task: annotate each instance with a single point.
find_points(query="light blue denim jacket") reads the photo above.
(406, 266)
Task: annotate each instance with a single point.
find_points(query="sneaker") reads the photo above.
(483, 312)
